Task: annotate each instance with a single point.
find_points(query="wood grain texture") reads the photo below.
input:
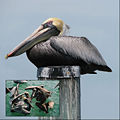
(70, 98)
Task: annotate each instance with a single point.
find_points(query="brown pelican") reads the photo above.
(47, 47)
(21, 104)
(40, 93)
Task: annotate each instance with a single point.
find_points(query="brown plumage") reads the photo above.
(47, 47)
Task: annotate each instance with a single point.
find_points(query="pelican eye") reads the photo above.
(48, 24)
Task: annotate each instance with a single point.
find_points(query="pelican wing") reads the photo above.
(78, 48)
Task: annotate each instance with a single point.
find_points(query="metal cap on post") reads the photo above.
(69, 83)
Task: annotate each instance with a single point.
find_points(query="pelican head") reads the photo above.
(49, 28)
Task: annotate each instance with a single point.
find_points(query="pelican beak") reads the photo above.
(41, 34)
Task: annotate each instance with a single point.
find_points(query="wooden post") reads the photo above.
(69, 83)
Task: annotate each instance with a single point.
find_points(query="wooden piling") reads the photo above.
(69, 84)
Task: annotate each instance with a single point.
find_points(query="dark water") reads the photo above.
(48, 84)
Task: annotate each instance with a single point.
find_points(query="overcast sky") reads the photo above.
(95, 19)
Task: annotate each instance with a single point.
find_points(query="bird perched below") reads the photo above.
(47, 46)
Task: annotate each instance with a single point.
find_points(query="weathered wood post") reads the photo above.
(69, 83)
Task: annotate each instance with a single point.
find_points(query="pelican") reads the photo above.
(47, 46)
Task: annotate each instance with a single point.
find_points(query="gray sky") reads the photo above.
(95, 19)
